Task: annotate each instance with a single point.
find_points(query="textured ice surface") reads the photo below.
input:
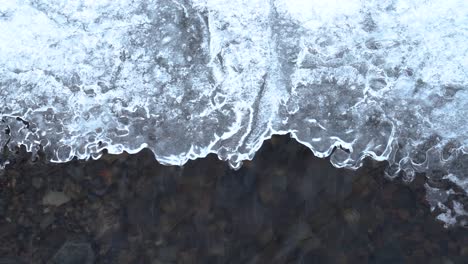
(381, 78)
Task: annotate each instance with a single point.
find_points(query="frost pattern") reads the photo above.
(380, 78)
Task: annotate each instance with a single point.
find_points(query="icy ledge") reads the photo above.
(386, 79)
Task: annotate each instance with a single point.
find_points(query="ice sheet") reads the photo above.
(386, 79)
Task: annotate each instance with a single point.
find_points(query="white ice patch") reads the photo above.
(314, 14)
(381, 78)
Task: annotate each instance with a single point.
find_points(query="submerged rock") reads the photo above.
(55, 198)
(74, 253)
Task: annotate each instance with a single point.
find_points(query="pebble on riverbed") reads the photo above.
(54, 198)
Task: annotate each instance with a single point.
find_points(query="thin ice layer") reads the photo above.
(386, 79)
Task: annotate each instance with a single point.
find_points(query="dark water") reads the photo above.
(285, 206)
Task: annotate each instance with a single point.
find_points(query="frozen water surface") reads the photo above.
(386, 79)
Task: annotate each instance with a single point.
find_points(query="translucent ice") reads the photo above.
(380, 78)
